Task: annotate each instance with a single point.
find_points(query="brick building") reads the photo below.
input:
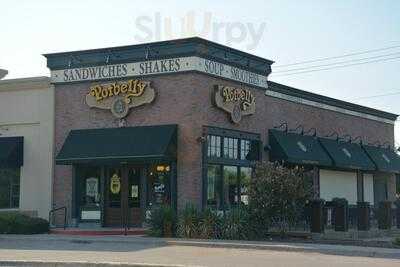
(183, 121)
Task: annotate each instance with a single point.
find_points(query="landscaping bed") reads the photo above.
(17, 223)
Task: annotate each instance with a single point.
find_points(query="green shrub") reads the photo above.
(235, 223)
(209, 224)
(17, 223)
(278, 194)
(396, 241)
(162, 221)
(384, 215)
(188, 222)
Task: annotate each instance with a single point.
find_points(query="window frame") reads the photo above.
(223, 196)
(224, 161)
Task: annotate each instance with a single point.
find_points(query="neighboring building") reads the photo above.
(26, 145)
(183, 121)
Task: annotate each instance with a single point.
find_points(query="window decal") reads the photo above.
(346, 152)
(386, 158)
(302, 146)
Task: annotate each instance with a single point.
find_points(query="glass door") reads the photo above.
(122, 191)
(89, 202)
(113, 192)
(133, 195)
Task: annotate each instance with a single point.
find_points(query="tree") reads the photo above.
(278, 195)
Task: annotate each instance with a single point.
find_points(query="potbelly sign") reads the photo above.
(119, 97)
(237, 102)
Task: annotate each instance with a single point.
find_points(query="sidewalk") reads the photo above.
(330, 249)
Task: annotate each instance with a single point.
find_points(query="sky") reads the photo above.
(284, 31)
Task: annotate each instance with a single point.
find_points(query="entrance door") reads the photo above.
(122, 196)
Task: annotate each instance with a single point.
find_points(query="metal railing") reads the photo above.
(51, 212)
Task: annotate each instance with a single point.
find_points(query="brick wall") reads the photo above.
(185, 99)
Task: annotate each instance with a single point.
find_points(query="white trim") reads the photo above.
(110, 157)
(21, 84)
(9, 209)
(325, 106)
(171, 65)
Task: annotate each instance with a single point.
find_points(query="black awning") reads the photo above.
(11, 152)
(297, 149)
(385, 159)
(347, 155)
(128, 144)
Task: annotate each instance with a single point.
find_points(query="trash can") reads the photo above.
(363, 210)
(341, 214)
(385, 215)
(317, 218)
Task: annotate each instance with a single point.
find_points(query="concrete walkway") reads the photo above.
(55, 250)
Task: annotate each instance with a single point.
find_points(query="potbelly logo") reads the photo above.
(115, 184)
(119, 98)
(236, 101)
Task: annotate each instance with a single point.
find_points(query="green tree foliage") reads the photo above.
(278, 195)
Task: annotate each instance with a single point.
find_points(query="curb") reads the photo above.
(331, 249)
(18, 263)
(87, 239)
(395, 254)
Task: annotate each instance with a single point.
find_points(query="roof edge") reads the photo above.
(291, 91)
(159, 43)
(30, 83)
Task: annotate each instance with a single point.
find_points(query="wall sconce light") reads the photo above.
(201, 139)
(332, 134)
(298, 127)
(346, 136)
(314, 130)
(376, 143)
(160, 168)
(284, 124)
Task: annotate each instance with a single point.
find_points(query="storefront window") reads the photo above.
(89, 178)
(245, 177)
(230, 157)
(231, 186)
(91, 187)
(244, 148)
(249, 150)
(214, 186)
(9, 188)
(159, 191)
(230, 148)
(214, 146)
(114, 187)
(134, 187)
(231, 192)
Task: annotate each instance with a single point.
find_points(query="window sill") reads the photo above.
(13, 209)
